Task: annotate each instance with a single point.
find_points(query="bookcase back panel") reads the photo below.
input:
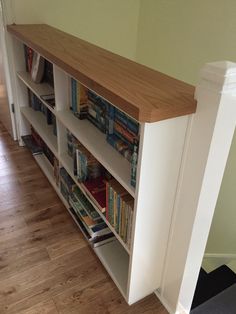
(161, 147)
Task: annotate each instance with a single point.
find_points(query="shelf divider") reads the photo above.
(37, 89)
(38, 122)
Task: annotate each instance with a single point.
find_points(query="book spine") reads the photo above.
(73, 95)
(114, 209)
(130, 227)
(107, 200)
(74, 162)
(110, 118)
(110, 212)
(118, 213)
(130, 124)
(125, 133)
(134, 162)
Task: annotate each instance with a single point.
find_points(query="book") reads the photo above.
(83, 201)
(125, 133)
(121, 146)
(37, 69)
(134, 162)
(79, 99)
(56, 171)
(67, 180)
(127, 122)
(94, 228)
(49, 99)
(32, 145)
(87, 166)
(96, 190)
(28, 58)
(48, 76)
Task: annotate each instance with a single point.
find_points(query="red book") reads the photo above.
(96, 191)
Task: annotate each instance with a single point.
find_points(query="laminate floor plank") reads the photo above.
(46, 266)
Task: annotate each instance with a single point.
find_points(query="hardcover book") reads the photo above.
(96, 190)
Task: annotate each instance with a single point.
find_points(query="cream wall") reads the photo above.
(177, 38)
(110, 24)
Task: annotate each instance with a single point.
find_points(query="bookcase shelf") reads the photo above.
(47, 168)
(96, 143)
(38, 121)
(38, 89)
(141, 93)
(116, 262)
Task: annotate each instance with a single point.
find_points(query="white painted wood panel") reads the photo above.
(161, 148)
(209, 138)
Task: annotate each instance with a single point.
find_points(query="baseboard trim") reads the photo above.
(180, 309)
(164, 302)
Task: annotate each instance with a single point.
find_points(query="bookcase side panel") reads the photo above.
(161, 148)
(20, 94)
(61, 85)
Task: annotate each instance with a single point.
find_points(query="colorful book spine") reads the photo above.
(127, 122)
(119, 145)
(134, 162)
(74, 95)
(125, 133)
(119, 210)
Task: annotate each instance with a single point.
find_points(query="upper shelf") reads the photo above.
(144, 94)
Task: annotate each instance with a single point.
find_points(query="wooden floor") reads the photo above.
(45, 264)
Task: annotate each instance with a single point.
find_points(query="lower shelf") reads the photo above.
(116, 261)
(112, 255)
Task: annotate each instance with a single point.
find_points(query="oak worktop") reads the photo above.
(145, 94)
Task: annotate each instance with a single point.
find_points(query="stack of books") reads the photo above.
(119, 209)
(86, 166)
(78, 99)
(123, 135)
(48, 66)
(96, 229)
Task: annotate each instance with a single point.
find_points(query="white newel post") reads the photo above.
(207, 147)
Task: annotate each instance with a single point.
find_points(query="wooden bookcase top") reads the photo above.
(144, 94)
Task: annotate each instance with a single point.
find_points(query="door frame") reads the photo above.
(6, 17)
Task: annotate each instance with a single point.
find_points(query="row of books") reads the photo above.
(36, 104)
(122, 132)
(30, 62)
(93, 226)
(86, 166)
(119, 209)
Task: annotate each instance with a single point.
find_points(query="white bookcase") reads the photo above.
(137, 271)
